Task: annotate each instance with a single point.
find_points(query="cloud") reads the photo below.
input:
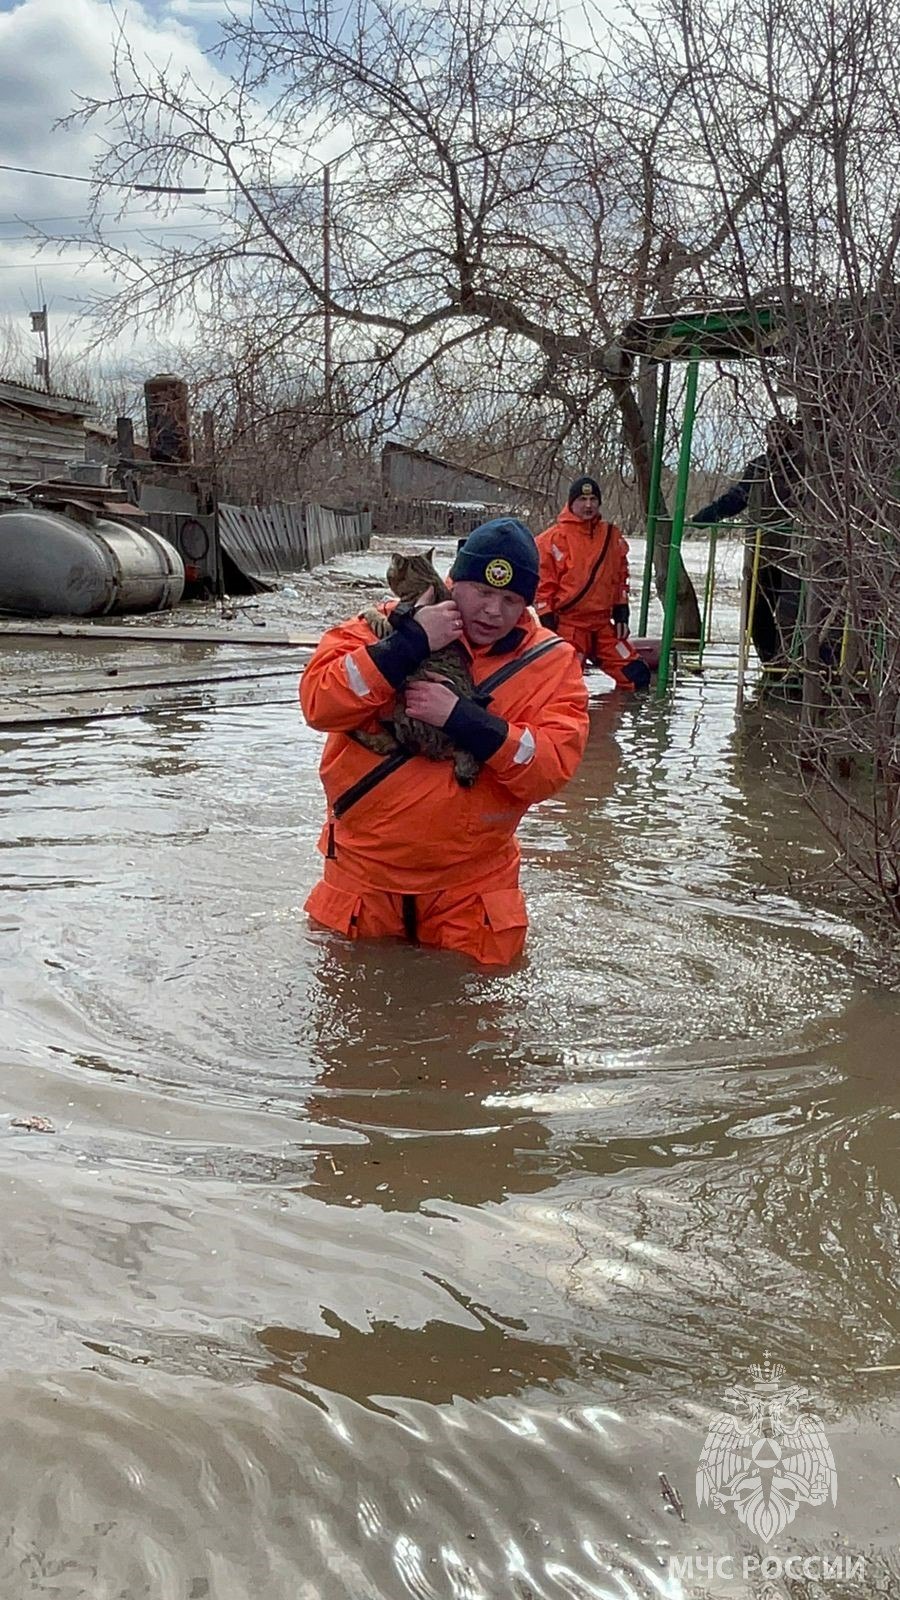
(209, 10)
(51, 50)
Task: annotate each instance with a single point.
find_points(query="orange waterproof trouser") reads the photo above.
(488, 923)
(601, 646)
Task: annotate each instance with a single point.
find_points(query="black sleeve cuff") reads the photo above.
(401, 652)
(475, 730)
(728, 504)
(620, 614)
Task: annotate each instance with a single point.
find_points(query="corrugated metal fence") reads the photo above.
(268, 542)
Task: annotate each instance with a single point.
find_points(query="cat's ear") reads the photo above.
(429, 554)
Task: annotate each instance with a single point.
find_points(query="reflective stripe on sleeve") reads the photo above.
(525, 752)
(355, 679)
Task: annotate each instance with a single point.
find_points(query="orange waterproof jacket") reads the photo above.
(569, 550)
(418, 830)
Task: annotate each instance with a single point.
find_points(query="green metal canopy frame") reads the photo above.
(737, 333)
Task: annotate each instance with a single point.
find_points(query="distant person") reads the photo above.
(767, 492)
(583, 589)
(410, 851)
(767, 487)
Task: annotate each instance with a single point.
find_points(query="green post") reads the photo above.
(677, 529)
(659, 440)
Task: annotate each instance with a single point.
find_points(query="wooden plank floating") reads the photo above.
(128, 635)
(132, 700)
(87, 688)
(150, 678)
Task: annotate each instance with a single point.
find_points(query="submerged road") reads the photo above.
(358, 1272)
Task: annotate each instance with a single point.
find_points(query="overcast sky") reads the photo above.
(49, 51)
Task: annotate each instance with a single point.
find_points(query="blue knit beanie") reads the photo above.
(501, 553)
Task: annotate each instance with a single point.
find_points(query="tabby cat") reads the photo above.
(408, 577)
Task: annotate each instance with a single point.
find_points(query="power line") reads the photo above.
(36, 172)
(147, 227)
(28, 266)
(167, 188)
(111, 183)
(76, 216)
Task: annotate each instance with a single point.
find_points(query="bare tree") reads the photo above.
(846, 381)
(503, 199)
(500, 193)
(819, 238)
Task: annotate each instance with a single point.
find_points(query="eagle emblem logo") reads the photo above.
(768, 1455)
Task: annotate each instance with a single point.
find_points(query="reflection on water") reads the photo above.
(357, 1271)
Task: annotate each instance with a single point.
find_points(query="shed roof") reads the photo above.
(458, 469)
(22, 394)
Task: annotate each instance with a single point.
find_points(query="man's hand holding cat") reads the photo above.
(430, 700)
(442, 624)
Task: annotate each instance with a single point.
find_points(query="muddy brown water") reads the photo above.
(357, 1272)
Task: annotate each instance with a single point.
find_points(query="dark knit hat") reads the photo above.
(581, 486)
(501, 553)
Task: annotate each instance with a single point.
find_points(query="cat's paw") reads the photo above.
(466, 769)
(378, 622)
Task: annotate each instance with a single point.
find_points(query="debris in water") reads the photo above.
(671, 1496)
(33, 1124)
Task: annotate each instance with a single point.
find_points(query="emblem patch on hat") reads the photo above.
(498, 573)
(587, 488)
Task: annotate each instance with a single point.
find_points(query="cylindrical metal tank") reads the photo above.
(168, 418)
(51, 566)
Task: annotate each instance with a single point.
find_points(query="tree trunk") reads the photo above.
(687, 611)
(815, 697)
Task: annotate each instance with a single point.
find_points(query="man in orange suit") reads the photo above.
(583, 589)
(408, 852)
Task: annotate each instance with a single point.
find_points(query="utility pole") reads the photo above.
(326, 285)
(39, 324)
(209, 451)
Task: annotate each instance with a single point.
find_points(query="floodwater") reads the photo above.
(356, 1273)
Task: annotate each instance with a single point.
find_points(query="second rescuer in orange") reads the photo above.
(583, 589)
